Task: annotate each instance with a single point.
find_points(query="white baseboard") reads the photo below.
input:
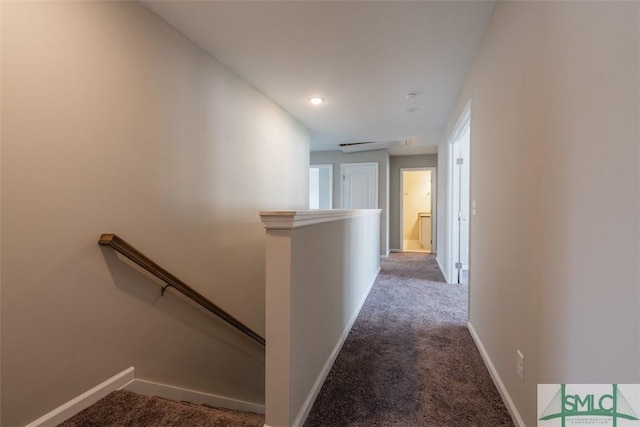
(322, 376)
(506, 398)
(395, 250)
(126, 380)
(86, 399)
(149, 388)
(444, 272)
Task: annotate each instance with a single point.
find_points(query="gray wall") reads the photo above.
(395, 192)
(115, 122)
(555, 173)
(336, 158)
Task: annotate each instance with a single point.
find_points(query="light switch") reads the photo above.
(473, 207)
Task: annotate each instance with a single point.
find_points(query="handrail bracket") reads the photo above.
(164, 288)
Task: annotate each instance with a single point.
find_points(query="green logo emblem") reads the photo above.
(582, 407)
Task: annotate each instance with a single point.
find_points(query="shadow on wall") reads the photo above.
(140, 284)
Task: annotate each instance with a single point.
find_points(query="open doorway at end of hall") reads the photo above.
(416, 208)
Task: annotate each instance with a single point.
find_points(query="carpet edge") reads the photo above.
(149, 388)
(303, 413)
(504, 394)
(84, 400)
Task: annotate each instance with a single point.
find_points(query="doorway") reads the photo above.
(460, 159)
(417, 219)
(321, 187)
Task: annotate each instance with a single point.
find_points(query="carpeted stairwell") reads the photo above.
(408, 361)
(127, 409)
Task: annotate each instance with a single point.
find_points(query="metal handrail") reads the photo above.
(121, 246)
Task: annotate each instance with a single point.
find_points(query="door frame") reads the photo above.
(342, 167)
(328, 166)
(463, 122)
(434, 205)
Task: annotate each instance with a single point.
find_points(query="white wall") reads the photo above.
(114, 122)
(395, 191)
(378, 156)
(554, 169)
(318, 276)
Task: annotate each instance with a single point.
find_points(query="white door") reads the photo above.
(359, 186)
(460, 158)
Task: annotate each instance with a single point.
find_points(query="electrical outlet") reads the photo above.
(520, 365)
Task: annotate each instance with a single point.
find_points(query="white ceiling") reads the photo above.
(361, 56)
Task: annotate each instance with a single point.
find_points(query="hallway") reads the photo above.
(409, 359)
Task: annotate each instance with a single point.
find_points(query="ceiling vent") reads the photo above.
(352, 147)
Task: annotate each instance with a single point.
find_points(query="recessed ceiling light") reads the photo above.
(316, 100)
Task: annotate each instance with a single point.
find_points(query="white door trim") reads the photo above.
(463, 122)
